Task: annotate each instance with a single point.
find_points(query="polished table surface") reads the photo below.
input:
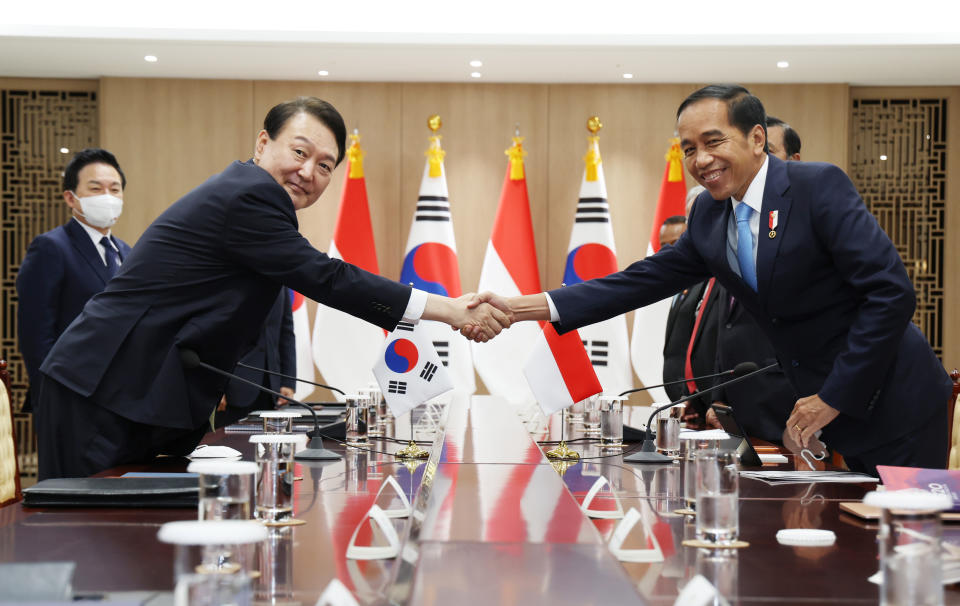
(493, 523)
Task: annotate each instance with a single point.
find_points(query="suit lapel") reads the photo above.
(86, 249)
(775, 199)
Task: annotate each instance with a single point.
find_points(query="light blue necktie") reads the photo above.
(748, 268)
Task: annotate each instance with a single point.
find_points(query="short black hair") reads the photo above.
(744, 110)
(85, 157)
(279, 114)
(791, 140)
(675, 220)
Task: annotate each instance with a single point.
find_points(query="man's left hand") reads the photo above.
(286, 391)
(809, 415)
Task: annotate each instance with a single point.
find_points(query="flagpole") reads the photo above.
(562, 452)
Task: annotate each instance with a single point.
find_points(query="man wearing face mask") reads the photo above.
(66, 266)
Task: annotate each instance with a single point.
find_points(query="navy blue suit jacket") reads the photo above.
(60, 272)
(832, 296)
(763, 403)
(203, 276)
(275, 350)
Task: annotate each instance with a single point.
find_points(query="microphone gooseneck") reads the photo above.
(191, 360)
(280, 374)
(742, 371)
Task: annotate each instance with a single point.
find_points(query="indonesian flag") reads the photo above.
(345, 347)
(430, 264)
(559, 371)
(301, 334)
(592, 254)
(510, 269)
(650, 322)
(408, 369)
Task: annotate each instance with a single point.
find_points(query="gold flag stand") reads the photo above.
(562, 452)
(411, 450)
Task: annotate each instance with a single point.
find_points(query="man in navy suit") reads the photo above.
(811, 264)
(275, 351)
(67, 265)
(115, 388)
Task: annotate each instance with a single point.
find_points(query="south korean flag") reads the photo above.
(409, 370)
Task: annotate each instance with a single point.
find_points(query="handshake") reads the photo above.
(481, 317)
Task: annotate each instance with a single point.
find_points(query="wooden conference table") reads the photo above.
(493, 524)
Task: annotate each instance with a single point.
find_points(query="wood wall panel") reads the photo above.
(170, 136)
(951, 255)
(479, 123)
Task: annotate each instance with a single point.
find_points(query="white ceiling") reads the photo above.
(534, 41)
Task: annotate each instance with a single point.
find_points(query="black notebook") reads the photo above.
(113, 492)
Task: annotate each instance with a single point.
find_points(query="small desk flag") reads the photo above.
(559, 371)
(409, 370)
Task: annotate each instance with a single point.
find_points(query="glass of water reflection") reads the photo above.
(718, 488)
(226, 489)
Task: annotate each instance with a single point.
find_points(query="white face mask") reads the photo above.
(100, 211)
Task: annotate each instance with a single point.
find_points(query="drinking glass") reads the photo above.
(591, 416)
(278, 421)
(356, 425)
(275, 480)
(201, 575)
(668, 431)
(611, 422)
(909, 543)
(226, 489)
(718, 514)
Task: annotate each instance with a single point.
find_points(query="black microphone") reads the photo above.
(314, 451)
(648, 452)
(280, 374)
(740, 369)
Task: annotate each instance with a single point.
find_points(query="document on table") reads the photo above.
(807, 477)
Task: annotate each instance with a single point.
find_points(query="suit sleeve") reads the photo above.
(261, 233)
(38, 286)
(288, 343)
(868, 261)
(642, 283)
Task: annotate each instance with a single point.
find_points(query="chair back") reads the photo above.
(953, 406)
(9, 470)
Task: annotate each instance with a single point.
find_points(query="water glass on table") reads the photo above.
(356, 424)
(226, 489)
(591, 416)
(201, 575)
(718, 490)
(275, 481)
(611, 422)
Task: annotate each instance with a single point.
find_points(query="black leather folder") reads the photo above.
(113, 492)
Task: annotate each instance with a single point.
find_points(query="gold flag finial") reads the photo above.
(675, 157)
(355, 156)
(434, 123)
(516, 154)
(594, 124)
(592, 159)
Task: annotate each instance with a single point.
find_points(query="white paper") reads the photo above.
(773, 477)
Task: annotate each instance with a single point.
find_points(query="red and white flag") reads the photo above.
(592, 254)
(430, 264)
(510, 269)
(650, 322)
(301, 334)
(344, 347)
(559, 371)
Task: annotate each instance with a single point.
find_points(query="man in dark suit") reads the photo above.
(115, 388)
(67, 265)
(275, 351)
(764, 403)
(814, 269)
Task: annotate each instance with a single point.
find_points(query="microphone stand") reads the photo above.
(314, 451)
(648, 452)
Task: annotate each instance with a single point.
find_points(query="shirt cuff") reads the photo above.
(554, 316)
(415, 305)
